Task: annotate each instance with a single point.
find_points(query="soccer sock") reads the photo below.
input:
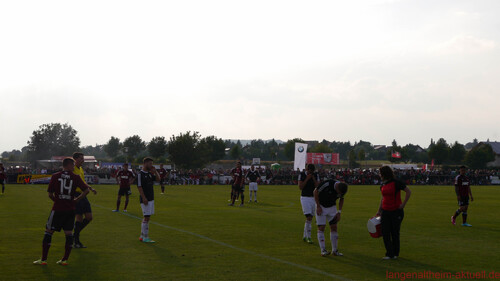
(3, 187)
(250, 195)
(68, 246)
(47, 239)
(457, 212)
(145, 229)
(118, 204)
(334, 237)
(307, 229)
(162, 188)
(255, 195)
(126, 204)
(321, 240)
(84, 223)
(76, 233)
(242, 197)
(464, 217)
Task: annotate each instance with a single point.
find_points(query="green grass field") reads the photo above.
(200, 238)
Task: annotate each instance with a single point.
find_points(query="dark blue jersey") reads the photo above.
(146, 181)
(327, 194)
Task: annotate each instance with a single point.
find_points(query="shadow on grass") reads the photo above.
(377, 266)
(83, 265)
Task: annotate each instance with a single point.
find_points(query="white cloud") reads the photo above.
(464, 44)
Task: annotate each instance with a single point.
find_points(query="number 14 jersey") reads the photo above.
(63, 185)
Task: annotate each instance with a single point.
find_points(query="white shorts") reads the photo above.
(149, 209)
(252, 186)
(326, 216)
(308, 205)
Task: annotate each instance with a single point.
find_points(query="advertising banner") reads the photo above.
(323, 158)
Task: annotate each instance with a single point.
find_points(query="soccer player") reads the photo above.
(308, 181)
(62, 190)
(391, 211)
(124, 178)
(252, 176)
(145, 181)
(163, 173)
(325, 196)
(463, 192)
(82, 206)
(3, 176)
(238, 186)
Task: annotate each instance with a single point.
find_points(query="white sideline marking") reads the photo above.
(237, 248)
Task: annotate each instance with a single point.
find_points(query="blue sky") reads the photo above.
(338, 70)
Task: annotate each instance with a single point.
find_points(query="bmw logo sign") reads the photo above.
(300, 149)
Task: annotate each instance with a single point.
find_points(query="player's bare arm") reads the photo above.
(51, 196)
(456, 192)
(319, 211)
(303, 183)
(92, 189)
(315, 180)
(82, 195)
(141, 192)
(341, 205)
(470, 194)
(379, 212)
(155, 173)
(407, 197)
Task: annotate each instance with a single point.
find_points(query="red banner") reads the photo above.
(396, 155)
(323, 158)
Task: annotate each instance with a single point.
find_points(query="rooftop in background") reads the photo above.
(495, 145)
(87, 158)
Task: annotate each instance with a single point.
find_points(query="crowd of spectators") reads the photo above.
(285, 176)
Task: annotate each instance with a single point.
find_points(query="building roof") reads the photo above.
(495, 145)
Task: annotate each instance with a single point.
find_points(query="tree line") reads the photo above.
(191, 150)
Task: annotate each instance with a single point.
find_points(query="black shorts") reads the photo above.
(61, 219)
(237, 187)
(464, 201)
(82, 206)
(2, 181)
(162, 181)
(124, 191)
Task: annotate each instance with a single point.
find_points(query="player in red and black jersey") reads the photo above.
(238, 186)
(3, 176)
(464, 193)
(124, 178)
(163, 177)
(62, 188)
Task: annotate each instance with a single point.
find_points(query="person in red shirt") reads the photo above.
(124, 178)
(391, 210)
(163, 174)
(238, 186)
(62, 188)
(463, 192)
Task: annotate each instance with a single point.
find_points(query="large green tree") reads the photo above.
(457, 153)
(440, 151)
(133, 146)
(52, 139)
(188, 150)
(211, 149)
(321, 148)
(235, 152)
(290, 148)
(479, 156)
(113, 147)
(157, 147)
